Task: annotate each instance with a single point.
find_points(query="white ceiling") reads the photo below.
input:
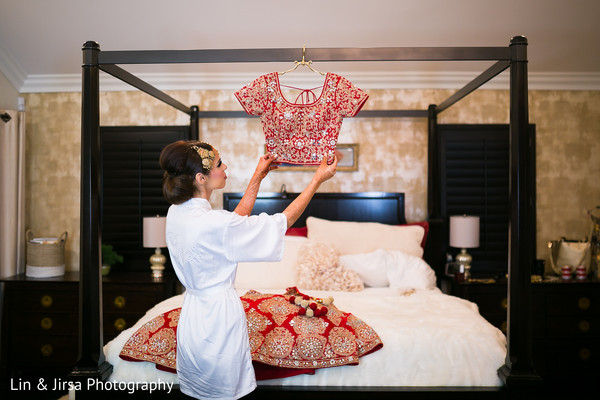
(40, 41)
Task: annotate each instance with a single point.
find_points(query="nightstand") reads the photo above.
(566, 324)
(40, 318)
(126, 297)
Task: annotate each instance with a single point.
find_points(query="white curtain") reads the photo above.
(12, 192)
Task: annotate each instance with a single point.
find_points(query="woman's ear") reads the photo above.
(200, 179)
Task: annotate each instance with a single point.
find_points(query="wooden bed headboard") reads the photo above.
(387, 208)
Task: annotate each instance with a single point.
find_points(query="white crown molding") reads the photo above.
(364, 80)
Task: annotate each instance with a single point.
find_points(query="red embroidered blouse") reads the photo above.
(301, 133)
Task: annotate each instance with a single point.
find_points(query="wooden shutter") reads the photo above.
(132, 186)
(474, 162)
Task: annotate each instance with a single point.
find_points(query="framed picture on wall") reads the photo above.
(347, 160)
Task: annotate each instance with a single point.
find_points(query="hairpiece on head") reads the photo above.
(207, 156)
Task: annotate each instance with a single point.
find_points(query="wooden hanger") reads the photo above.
(303, 63)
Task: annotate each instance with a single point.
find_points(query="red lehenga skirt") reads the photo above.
(288, 336)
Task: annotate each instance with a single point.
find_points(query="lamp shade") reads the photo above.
(464, 231)
(154, 231)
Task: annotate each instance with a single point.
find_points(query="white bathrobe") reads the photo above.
(205, 245)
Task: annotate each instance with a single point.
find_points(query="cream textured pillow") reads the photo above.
(365, 237)
(319, 268)
(272, 275)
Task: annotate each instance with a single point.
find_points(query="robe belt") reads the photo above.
(211, 291)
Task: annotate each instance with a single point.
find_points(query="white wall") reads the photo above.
(8, 94)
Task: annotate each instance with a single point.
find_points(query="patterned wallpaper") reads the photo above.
(392, 154)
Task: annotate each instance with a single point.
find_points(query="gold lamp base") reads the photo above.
(463, 259)
(158, 264)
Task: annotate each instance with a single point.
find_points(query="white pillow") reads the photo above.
(407, 271)
(365, 237)
(272, 275)
(370, 267)
(396, 269)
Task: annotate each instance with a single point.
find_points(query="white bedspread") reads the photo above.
(429, 339)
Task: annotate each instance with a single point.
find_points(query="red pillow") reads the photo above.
(303, 231)
(425, 226)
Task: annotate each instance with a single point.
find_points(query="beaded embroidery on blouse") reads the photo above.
(301, 133)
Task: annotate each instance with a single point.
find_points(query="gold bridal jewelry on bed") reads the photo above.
(207, 156)
(309, 306)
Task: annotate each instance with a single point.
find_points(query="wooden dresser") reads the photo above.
(566, 324)
(40, 318)
(567, 338)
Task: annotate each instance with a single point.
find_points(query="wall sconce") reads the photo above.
(154, 236)
(464, 234)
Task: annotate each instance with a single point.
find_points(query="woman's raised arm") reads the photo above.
(297, 207)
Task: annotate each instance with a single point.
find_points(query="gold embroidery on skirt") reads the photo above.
(311, 347)
(342, 341)
(279, 342)
(279, 307)
(309, 325)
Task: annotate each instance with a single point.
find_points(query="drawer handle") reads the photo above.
(47, 350)
(584, 303)
(585, 354)
(584, 326)
(120, 324)
(119, 302)
(46, 301)
(46, 323)
(504, 303)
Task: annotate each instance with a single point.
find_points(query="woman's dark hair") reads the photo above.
(181, 163)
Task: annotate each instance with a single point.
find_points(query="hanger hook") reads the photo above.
(303, 53)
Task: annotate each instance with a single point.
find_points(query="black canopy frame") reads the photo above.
(518, 369)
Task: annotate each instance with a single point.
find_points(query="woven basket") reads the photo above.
(45, 258)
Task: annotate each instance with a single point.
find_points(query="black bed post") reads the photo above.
(436, 223)
(91, 362)
(194, 123)
(518, 370)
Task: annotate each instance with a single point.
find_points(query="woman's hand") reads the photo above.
(326, 171)
(265, 164)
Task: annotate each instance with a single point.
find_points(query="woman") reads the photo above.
(205, 245)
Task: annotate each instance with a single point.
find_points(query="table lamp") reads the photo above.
(154, 236)
(464, 234)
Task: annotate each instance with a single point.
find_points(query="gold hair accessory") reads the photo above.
(207, 156)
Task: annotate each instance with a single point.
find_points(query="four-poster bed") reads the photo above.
(517, 370)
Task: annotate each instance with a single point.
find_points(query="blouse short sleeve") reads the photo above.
(253, 97)
(350, 99)
(255, 237)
